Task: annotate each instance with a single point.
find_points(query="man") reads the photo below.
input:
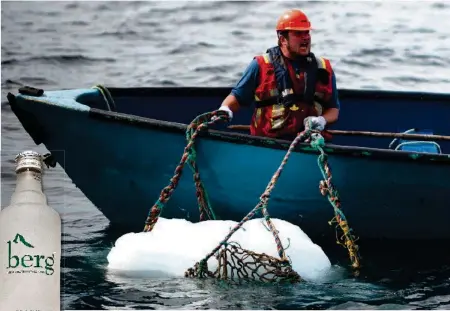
(289, 85)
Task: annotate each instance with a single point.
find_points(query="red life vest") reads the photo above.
(284, 98)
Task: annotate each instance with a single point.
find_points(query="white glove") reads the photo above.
(316, 123)
(224, 108)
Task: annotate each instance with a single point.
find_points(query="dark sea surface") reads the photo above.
(372, 45)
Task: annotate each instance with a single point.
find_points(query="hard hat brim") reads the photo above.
(295, 28)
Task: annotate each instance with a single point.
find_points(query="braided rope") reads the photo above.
(327, 188)
(189, 155)
(205, 208)
(262, 205)
(106, 96)
(199, 123)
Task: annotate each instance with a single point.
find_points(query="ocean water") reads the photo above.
(401, 45)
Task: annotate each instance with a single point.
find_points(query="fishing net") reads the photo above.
(239, 265)
(233, 262)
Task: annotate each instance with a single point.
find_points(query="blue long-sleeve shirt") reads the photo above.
(244, 91)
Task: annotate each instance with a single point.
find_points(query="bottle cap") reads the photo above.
(29, 160)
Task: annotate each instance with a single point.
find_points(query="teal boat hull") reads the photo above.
(121, 162)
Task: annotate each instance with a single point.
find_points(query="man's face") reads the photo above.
(299, 42)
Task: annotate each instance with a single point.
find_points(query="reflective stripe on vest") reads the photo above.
(273, 92)
(321, 65)
(321, 62)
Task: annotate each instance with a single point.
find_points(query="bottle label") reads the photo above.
(23, 257)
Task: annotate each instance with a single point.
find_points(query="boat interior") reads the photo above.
(360, 110)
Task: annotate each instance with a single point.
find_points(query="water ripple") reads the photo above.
(63, 59)
(377, 45)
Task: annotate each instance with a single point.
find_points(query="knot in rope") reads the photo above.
(317, 141)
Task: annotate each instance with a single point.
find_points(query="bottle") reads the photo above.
(30, 243)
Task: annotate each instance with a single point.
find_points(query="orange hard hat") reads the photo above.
(293, 20)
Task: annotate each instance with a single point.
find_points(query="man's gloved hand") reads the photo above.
(228, 110)
(316, 123)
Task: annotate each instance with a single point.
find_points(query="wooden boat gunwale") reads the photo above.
(241, 138)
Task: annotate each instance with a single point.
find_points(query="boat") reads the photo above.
(121, 147)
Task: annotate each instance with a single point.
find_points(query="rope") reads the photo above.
(327, 188)
(205, 208)
(262, 205)
(198, 124)
(106, 96)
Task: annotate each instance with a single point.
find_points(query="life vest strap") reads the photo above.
(275, 100)
(284, 94)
